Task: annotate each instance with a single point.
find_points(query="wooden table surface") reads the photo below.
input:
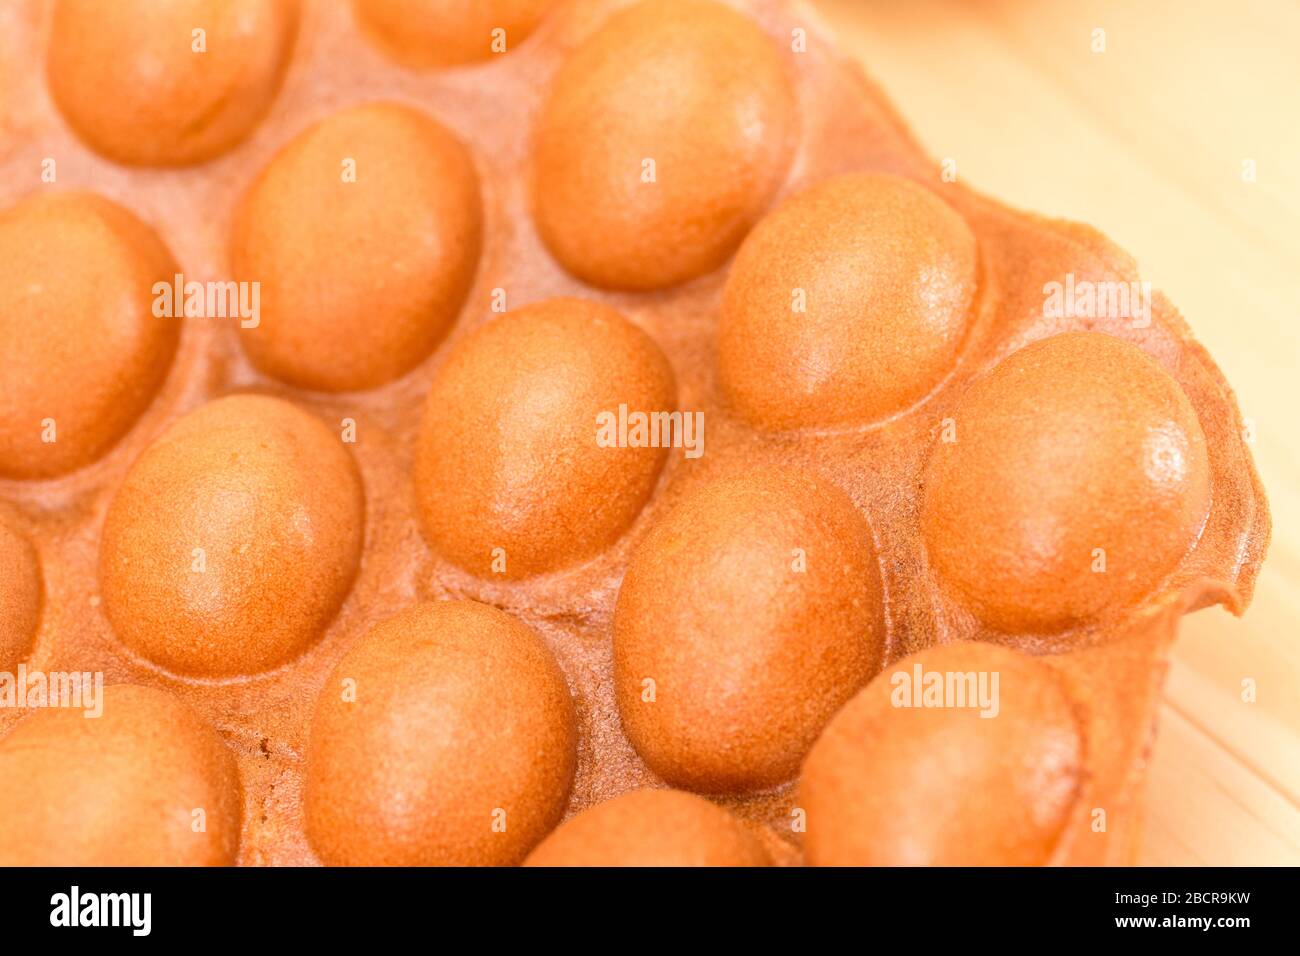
(1148, 141)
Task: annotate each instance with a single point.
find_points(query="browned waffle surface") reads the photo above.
(945, 462)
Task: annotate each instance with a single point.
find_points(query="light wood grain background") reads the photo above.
(1147, 141)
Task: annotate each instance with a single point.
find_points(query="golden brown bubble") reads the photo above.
(747, 616)
(20, 595)
(167, 84)
(446, 736)
(664, 137)
(233, 539)
(1078, 479)
(145, 783)
(845, 305)
(441, 33)
(511, 473)
(364, 234)
(651, 828)
(77, 306)
(894, 783)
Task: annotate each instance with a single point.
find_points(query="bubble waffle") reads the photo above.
(907, 462)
